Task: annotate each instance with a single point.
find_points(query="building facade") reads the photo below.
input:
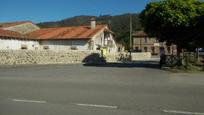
(26, 35)
(143, 43)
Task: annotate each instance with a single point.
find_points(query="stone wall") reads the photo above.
(43, 57)
(12, 57)
(141, 56)
(125, 57)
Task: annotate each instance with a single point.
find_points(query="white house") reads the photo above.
(26, 35)
(10, 40)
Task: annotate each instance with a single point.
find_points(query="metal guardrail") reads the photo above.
(185, 58)
(171, 60)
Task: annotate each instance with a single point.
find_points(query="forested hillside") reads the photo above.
(119, 24)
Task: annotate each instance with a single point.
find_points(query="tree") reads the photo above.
(199, 31)
(175, 21)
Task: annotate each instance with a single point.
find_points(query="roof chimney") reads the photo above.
(93, 23)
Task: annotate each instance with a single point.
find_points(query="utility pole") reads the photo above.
(131, 45)
(131, 33)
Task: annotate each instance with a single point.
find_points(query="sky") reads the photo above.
(53, 10)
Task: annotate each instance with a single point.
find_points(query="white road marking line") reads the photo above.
(98, 106)
(182, 112)
(27, 101)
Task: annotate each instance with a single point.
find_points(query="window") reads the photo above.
(153, 50)
(145, 39)
(145, 49)
(91, 45)
(137, 49)
(98, 47)
(45, 47)
(110, 43)
(169, 49)
(74, 48)
(24, 47)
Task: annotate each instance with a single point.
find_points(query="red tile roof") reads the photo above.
(140, 34)
(75, 32)
(10, 24)
(10, 34)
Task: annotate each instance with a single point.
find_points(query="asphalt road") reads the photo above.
(114, 89)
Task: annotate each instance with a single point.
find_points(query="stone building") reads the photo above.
(26, 35)
(143, 43)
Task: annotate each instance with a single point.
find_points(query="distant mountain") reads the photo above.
(119, 24)
(74, 21)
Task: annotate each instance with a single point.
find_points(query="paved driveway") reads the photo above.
(113, 89)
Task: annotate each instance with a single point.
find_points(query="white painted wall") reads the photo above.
(64, 45)
(114, 48)
(102, 40)
(98, 40)
(14, 44)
